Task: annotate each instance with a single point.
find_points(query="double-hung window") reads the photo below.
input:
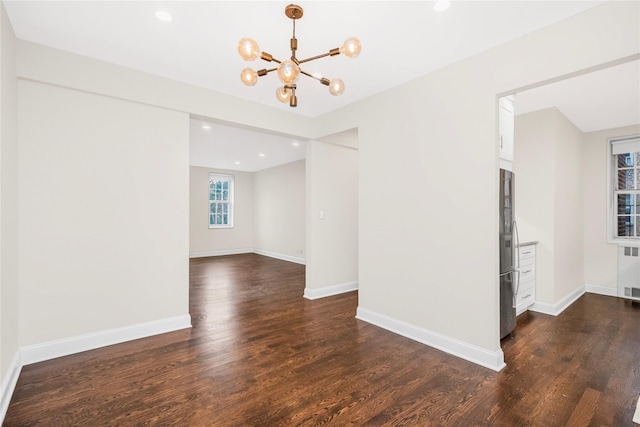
(220, 200)
(624, 189)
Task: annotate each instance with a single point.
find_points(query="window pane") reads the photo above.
(625, 179)
(626, 226)
(625, 160)
(625, 204)
(220, 199)
(637, 158)
(637, 226)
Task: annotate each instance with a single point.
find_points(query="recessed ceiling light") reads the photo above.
(163, 15)
(237, 163)
(206, 127)
(441, 5)
(261, 154)
(295, 144)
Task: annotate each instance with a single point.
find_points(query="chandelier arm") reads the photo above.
(264, 72)
(269, 58)
(322, 80)
(332, 52)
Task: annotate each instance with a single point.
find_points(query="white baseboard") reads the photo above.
(328, 291)
(66, 346)
(9, 384)
(560, 306)
(493, 360)
(601, 290)
(280, 256)
(201, 254)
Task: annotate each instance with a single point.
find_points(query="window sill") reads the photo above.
(624, 242)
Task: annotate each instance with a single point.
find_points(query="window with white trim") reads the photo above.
(220, 200)
(624, 189)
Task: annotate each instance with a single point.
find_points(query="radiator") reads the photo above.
(628, 272)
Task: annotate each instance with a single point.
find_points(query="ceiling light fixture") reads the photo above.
(163, 15)
(289, 70)
(441, 5)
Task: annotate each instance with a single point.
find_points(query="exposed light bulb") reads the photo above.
(249, 76)
(288, 72)
(441, 5)
(351, 47)
(248, 49)
(283, 94)
(336, 87)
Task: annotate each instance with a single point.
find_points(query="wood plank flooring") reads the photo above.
(261, 355)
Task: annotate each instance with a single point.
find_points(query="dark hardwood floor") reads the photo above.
(260, 355)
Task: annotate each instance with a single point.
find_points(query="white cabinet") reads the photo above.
(506, 119)
(527, 286)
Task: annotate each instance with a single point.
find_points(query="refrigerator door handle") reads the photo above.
(516, 251)
(516, 283)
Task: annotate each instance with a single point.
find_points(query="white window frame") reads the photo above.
(628, 144)
(230, 202)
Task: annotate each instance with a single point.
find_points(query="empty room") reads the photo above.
(256, 213)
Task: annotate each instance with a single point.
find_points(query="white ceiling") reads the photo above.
(401, 41)
(603, 99)
(225, 147)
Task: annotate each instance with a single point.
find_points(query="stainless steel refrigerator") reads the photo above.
(509, 274)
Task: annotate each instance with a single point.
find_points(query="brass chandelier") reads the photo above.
(288, 71)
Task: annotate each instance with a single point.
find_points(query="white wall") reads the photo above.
(600, 258)
(205, 241)
(8, 207)
(549, 198)
(269, 213)
(534, 167)
(332, 241)
(40, 63)
(103, 213)
(431, 145)
(569, 217)
(279, 215)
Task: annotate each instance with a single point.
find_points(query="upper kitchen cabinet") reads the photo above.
(506, 118)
